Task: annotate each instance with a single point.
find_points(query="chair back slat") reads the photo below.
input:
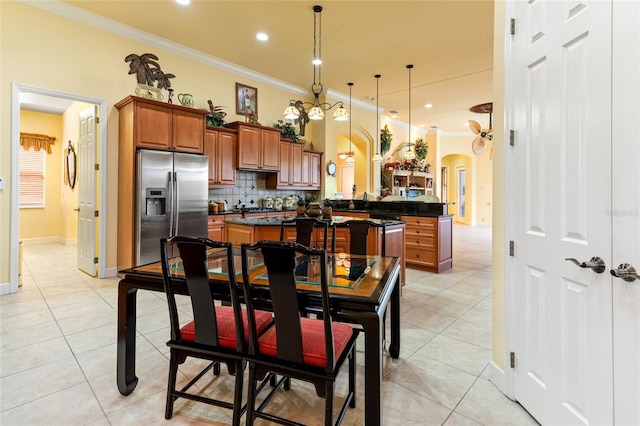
(358, 235)
(280, 262)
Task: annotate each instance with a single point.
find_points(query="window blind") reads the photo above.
(32, 174)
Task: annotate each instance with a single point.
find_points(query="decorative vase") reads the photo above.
(314, 210)
(301, 210)
(326, 212)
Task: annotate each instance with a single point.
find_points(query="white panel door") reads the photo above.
(87, 222)
(561, 167)
(625, 212)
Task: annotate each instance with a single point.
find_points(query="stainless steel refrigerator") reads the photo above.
(172, 192)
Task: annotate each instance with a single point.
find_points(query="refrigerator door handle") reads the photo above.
(177, 202)
(172, 201)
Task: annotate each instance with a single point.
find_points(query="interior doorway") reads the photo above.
(19, 92)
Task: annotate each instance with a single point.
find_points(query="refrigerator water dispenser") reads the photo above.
(156, 202)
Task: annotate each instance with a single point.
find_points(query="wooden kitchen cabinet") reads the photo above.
(429, 242)
(290, 174)
(258, 147)
(162, 126)
(216, 228)
(310, 169)
(315, 169)
(221, 148)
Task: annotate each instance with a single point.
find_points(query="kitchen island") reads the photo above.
(387, 238)
(429, 232)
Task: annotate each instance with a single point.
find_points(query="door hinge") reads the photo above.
(98, 118)
(512, 137)
(96, 166)
(95, 260)
(513, 26)
(512, 359)
(95, 213)
(511, 248)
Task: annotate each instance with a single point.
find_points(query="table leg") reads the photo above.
(394, 348)
(372, 324)
(126, 360)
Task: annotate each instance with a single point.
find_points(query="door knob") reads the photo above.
(596, 264)
(626, 272)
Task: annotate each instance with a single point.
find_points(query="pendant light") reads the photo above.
(350, 159)
(377, 157)
(297, 109)
(409, 155)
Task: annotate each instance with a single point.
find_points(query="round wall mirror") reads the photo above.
(331, 168)
(71, 166)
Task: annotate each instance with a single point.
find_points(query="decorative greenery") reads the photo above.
(287, 131)
(385, 139)
(148, 71)
(327, 202)
(216, 118)
(302, 201)
(422, 148)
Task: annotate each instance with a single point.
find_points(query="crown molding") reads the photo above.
(100, 22)
(339, 96)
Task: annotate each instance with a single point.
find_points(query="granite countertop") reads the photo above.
(277, 220)
(246, 211)
(392, 208)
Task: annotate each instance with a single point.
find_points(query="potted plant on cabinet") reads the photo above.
(385, 139)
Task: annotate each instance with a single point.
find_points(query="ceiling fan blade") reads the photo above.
(479, 145)
(475, 127)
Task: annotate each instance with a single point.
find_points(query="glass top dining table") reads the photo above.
(361, 287)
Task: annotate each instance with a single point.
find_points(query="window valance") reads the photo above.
(36, 141)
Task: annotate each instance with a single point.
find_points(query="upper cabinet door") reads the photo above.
(188, 132)
(227, 147)
(270, 150)
(249, 142)
(152, 126)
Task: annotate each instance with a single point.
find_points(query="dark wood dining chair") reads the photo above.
(305, 226)
(216, 333)
(311, 350)
(358, 235)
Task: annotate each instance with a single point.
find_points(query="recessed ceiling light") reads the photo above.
(316, 61)
(183, 2)
(428, 105)
(466, 124)
(262, 37)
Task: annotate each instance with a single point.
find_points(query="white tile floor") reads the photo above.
(58, 350)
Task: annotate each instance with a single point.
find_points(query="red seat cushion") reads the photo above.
(313, 348)
(227, 328)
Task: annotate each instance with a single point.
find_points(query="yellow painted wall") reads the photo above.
(45, 222)
(479, 172)
(85, 61)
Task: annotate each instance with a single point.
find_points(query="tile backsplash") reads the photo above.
(250, 189)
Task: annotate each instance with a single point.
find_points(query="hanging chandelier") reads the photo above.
(377, 157)
(299, 110)
(350, 159)
(409, 155)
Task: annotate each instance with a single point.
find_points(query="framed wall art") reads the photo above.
(246, 100)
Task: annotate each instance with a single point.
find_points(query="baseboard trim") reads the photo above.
(110, 273)
(4, 288)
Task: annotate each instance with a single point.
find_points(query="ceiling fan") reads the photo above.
(480, 144)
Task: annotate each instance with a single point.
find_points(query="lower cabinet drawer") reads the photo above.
(421, 255)
(424, 230)
(421, 241)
